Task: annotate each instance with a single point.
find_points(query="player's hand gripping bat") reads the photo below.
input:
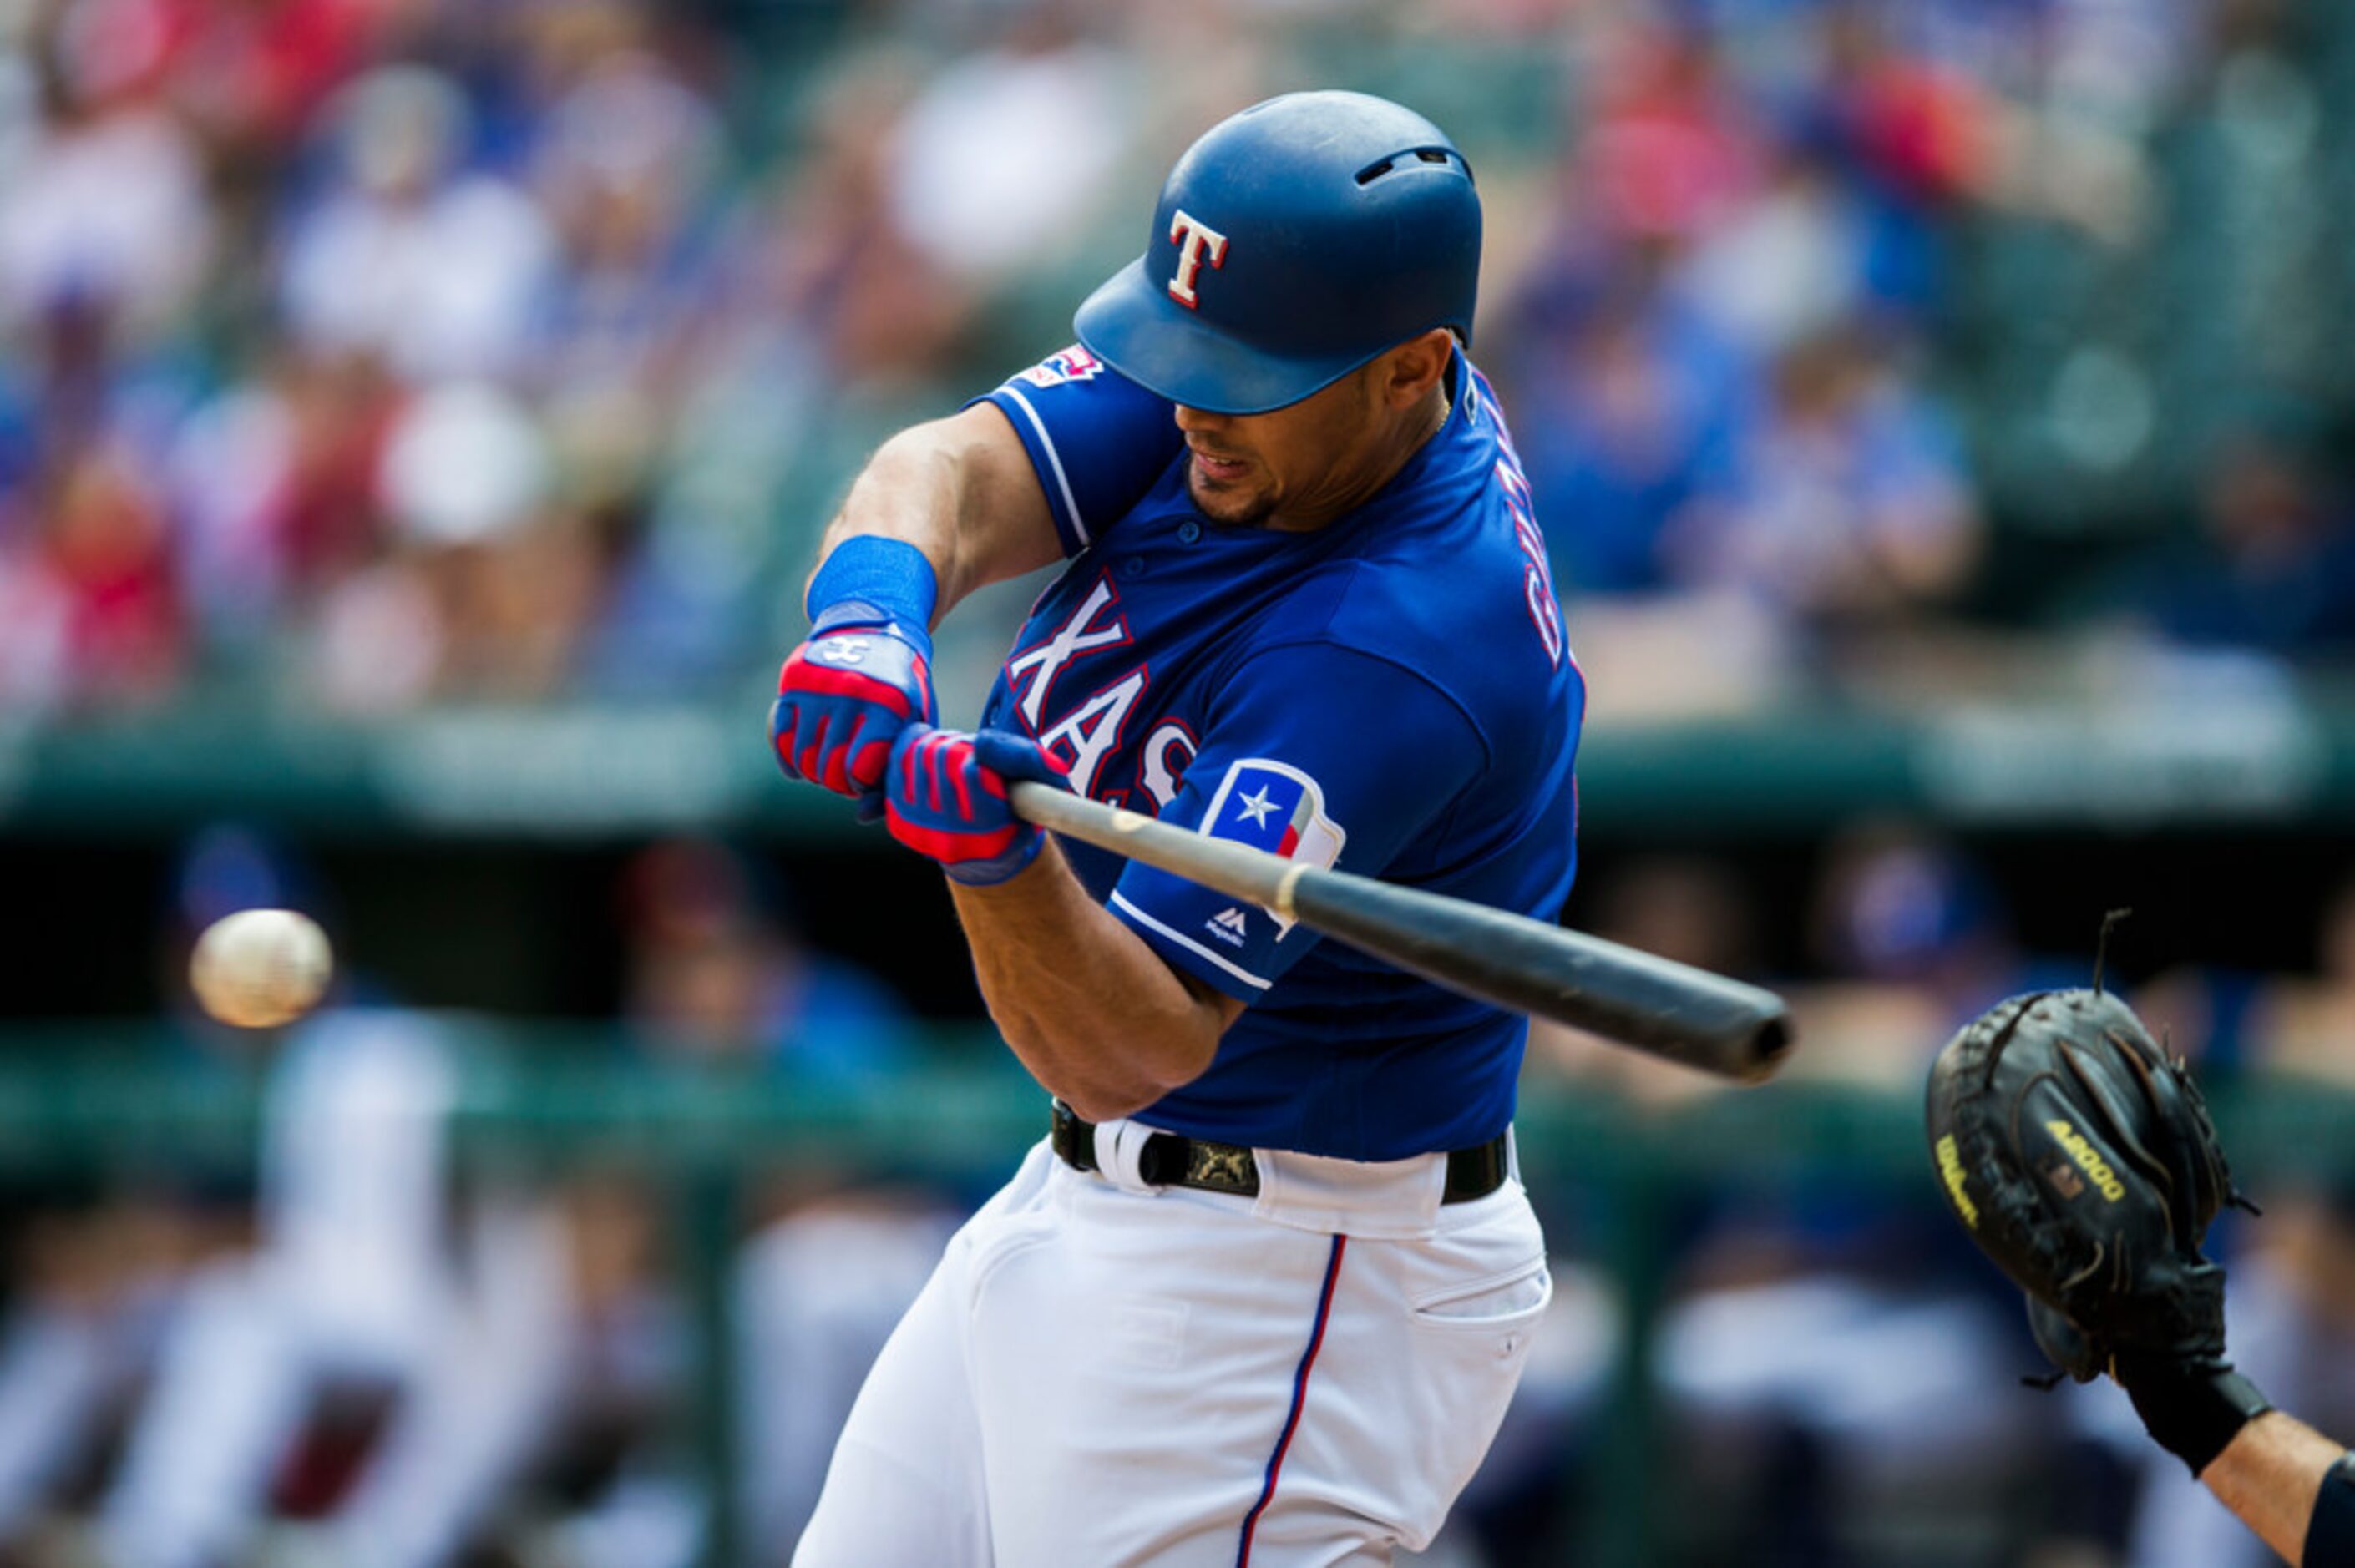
(1671, 1010)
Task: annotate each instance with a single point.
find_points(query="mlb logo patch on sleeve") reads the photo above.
(1275, 807)
(1074, 364)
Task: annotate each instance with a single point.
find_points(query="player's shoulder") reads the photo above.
(1447, 580)
(1073, 378)
(1446, 547)
(1070, 366)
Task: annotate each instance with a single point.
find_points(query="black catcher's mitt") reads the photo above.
(2081, 1157)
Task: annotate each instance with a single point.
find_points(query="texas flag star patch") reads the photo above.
(1277, 807)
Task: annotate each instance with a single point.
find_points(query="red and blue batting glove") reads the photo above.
(845, 694)
(948, 800)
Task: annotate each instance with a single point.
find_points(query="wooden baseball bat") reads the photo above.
(1667, 1009)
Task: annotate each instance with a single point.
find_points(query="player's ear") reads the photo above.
(1412, 368)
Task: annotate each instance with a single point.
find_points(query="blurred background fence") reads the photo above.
(416, 416)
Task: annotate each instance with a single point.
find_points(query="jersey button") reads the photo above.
(1189, 531)
(1132, 565)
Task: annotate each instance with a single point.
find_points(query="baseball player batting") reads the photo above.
(1263, 1293)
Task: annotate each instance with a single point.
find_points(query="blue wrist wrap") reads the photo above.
(891, 576)
(2330, 1535)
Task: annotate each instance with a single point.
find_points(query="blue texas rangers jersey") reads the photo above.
(1390, 693)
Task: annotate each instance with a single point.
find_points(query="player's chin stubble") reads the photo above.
(1228, 509)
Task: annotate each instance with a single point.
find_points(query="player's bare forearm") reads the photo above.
(962, 491)
(1095, 1014)
(2269, 1475)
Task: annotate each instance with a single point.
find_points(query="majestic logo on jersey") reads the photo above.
(1229, 925)
(1275, 807)
(1196, 242)
(1074, 364)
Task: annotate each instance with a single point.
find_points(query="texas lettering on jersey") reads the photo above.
(1090, 730)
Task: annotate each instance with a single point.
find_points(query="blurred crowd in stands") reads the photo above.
(376, 352)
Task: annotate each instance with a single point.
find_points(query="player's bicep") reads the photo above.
(1322, 754)
(1005, 527)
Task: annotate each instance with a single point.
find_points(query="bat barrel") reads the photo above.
(1706, 1020)
(1718, 1025)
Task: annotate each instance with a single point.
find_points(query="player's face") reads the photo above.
(1301, 466)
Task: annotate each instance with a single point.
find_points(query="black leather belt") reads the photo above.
(1170, 1160)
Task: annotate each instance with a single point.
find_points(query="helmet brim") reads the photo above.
(1131, 324)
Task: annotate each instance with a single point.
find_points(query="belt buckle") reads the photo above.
(1119, 1154)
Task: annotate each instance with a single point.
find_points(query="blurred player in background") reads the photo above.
(1270, 1283)
(329, 1321)
(717, 971)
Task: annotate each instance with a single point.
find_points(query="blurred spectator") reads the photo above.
(2307, 1025)
(406, 253)
(719, 968)
(1668, 154)
(1791, 261)
(1913, 939)
(108, 207)
(624, 167)
(241, 1366)
(1848, 501)
(104, 560)
(1817, 1321)
(832, 257)
(250, 73)
(2273, 567)
(1009, 142)
(274, 484)
(491, 586)
(816, 1295)
(716, 974)
(1632, 405)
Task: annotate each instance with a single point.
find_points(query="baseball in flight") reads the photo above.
(260, 968)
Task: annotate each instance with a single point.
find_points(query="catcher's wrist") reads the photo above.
(2191, 1409)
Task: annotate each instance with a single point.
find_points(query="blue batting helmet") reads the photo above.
(1293, 243)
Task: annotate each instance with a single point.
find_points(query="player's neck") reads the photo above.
(1388, 451)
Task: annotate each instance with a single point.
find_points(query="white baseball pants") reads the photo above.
(1112, 1374)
